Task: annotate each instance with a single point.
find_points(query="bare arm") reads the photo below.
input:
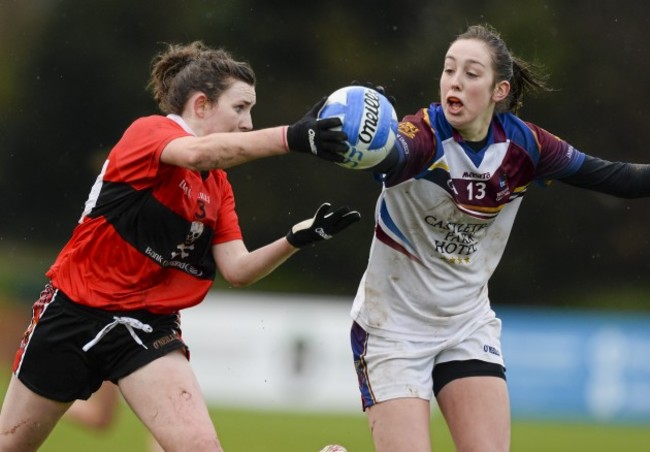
(241, 267)
(224, 150)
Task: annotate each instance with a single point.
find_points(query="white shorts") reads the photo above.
(393, 368)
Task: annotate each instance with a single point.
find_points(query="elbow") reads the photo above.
(199, 160)
(200, 155)
(238, 284)
(204, 155)
(237, 281)
(99, 421)
(188, 152)
(101, 424)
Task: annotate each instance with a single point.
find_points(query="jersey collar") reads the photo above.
(181, 122)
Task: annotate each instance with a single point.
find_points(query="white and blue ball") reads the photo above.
(369, 120)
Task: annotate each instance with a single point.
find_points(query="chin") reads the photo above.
(455, 121)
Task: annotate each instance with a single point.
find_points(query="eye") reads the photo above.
(447, 71)
(471, 74)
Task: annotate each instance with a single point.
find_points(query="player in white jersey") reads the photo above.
(423, 324)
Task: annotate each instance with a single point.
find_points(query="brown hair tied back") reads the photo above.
(523, 76)
(181, 70)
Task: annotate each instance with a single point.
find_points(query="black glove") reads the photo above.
(322, 226)
(315, 136)
(379, 88)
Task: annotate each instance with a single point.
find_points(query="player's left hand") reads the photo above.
(317, 136)
(379, 88)
(323, 226)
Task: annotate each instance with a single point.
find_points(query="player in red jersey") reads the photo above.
(159, 223)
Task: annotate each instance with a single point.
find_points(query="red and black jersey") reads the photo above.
(144, 239)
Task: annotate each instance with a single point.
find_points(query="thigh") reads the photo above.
(166, 396)
(27, 418)
(477, 411)
(400, 425)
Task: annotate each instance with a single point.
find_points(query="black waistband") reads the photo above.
(105, 314)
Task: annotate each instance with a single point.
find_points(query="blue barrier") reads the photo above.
(583, 365)
(561, 363)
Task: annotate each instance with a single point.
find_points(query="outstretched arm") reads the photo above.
(241, 267)
(624, 180)
(224, 150)
(309, 134)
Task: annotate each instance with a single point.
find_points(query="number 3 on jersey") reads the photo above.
(200, 213)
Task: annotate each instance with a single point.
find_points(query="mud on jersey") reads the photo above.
(443, 220)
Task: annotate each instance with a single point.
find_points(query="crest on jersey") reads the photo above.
(183, 249)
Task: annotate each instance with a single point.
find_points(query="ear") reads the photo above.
(198, 102)
(501, 91)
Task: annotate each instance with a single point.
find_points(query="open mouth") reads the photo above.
(454, 104)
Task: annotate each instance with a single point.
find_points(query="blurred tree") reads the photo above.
(75, 74)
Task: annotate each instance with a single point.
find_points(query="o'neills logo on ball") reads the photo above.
(371, 103)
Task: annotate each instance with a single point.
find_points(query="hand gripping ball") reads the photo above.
(369, 120)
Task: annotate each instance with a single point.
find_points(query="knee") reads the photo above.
(101, 423)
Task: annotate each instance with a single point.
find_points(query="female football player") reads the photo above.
(423, 326)
(158, 224)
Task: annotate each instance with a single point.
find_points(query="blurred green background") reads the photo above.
(73, 77)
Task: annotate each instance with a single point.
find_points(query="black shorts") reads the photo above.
(69, 349)
(447, 372)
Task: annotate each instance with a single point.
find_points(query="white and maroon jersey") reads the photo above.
(144, 239)
(443, 219)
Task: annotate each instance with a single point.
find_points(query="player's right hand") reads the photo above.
(317, 136)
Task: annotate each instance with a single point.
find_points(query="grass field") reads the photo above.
(247, 431)
(242, 431)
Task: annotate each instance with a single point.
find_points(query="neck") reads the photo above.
(478, 128)
(477, 134)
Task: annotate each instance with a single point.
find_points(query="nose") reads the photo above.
(455, 82)
(246, 123)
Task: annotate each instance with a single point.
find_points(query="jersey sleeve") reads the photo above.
(227, 227)
(557, 159)
(621, 179)
(417, 144)
(135, 159)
